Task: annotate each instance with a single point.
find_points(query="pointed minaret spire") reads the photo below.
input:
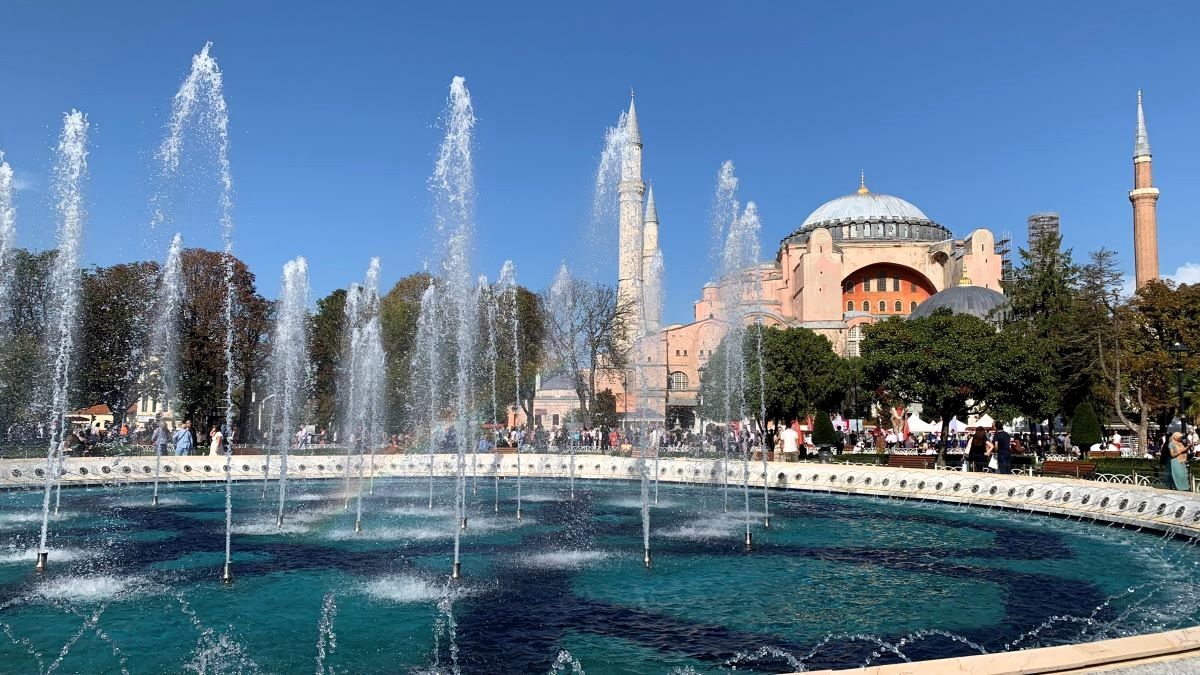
(1144, 197)
(1141, 143)
(651, 211)
(631, 122)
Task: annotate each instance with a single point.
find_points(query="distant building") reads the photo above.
(1041, 225)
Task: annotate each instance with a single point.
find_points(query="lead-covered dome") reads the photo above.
(869, 216)
(977, 301)
(866, 206)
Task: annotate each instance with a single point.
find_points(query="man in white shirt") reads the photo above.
(791, 447)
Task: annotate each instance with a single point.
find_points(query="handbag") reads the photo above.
(994, 463)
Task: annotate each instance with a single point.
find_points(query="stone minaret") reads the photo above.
(1144, 197)
(649, 249)
(630, 240)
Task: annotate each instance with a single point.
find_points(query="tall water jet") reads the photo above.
(492, 355)
(739, 288)
(484, 306)
(164, 339)
(69, 173)
(605, 202)
(363, 384)
(8, 231)
(762, 415)
(652, 292)
(289, 362)
(452, 186)
(725, 211)
(201, 99)
(508, 289)
(427, 365)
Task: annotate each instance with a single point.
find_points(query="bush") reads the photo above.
(1085, 428)
(823, 433)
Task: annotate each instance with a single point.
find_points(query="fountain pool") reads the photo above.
(837, 581)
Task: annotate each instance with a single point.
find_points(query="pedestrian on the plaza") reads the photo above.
(161, 438)
(979, 450)
(215, 439)
(183, 439)
(1002, 441)
(1179, 455)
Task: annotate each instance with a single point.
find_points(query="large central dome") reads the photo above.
(865, 206)
(868, 216)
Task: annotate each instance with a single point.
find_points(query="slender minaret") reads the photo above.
(1144, 197)
(649, 275)
(630, 240)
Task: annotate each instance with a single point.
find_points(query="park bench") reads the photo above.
(1074, 469)
(911, 461)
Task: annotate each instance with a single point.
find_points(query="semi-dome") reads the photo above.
(962, 299)
(869, 216)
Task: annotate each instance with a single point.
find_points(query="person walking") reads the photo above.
(161, 438)
(183, 439)
(215, 440)
(1179, 455)
(1002, 442)
(979, 450)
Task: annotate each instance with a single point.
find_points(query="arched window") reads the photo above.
(882, 306)
(678, 380)
(850, 306)
(912, 306)
(853, 341)
(899, 307)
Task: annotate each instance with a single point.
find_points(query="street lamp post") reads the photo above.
(1178, 351)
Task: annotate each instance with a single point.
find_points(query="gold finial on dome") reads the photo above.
(862, 183)
(965, 280)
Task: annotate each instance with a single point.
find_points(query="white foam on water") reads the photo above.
(564, 559)
(18, 519)
(636, 503)
(535, 498)
(98, 588)
(493, 524)
(146, 504)
(296, 522)
(13, 556)
(717, 526)
(405, 588)
(421, 512)
(393, 533)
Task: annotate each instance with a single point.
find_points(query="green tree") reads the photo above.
(951, 364)
(1085, 428)
(22, 336)
(823, 433)
(116, 306)
(1043, 306)
(399, 311)
(802, 375)
(202, 347)
(327, 343)
(605, 414)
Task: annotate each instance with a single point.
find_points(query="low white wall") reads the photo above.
(1151, 508)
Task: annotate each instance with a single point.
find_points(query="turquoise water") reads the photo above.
(836, 582)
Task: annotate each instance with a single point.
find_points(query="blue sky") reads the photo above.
(979, 113)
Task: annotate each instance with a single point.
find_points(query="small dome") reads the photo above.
(865, 206)
(975, 300)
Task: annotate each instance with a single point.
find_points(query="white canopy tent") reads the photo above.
(917, 425)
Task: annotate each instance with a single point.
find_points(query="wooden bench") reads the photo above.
(1073, 469)
(912, 461)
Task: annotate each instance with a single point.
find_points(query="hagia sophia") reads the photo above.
(856, 259)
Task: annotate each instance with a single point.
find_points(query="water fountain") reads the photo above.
(8, 229)
(508, 290)
(991, 565)
(289, 363)
(70, 171)
(452, 186)
(363, 382)
(164, 339)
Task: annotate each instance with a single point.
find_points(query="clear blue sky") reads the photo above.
(979, 113)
